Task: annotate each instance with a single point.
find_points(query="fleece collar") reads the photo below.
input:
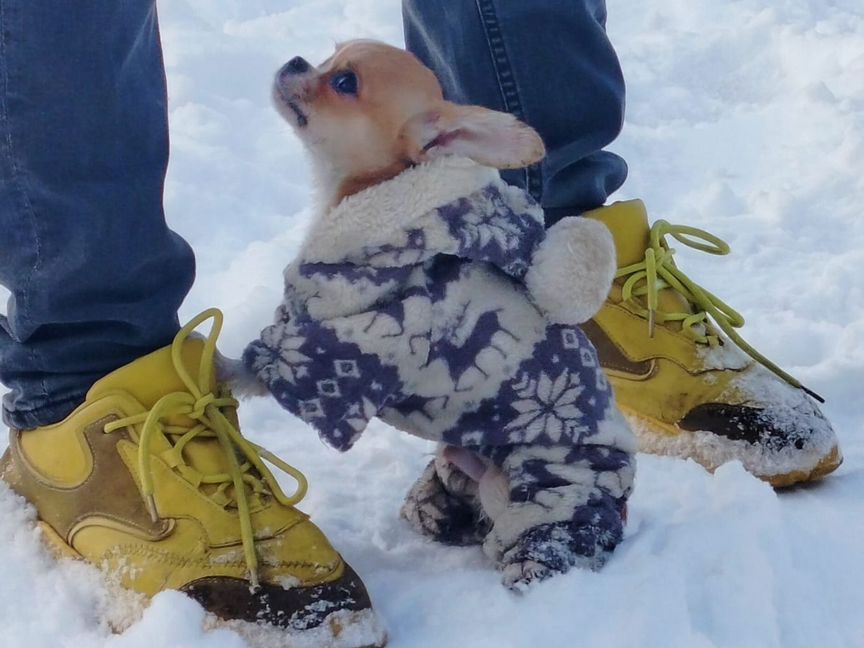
(372, 217)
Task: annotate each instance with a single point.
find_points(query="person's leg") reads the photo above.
(96, 280)
(95, 274)
(550, 63)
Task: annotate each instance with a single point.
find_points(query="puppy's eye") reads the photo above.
(345, 83)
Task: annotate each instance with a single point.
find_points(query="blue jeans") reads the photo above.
(550, 63)
(95, 274)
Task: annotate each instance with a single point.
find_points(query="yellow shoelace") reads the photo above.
(206, 409)
(657, 271)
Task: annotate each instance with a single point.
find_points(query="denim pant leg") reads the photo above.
(550, 63)
(95, 275)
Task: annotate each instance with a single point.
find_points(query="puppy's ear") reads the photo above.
(486, 136)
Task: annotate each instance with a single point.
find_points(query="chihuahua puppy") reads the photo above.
(429, 294)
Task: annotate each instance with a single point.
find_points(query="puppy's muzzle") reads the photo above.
(288, 81)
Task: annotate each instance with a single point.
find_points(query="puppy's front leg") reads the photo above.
(566, 508)
(235, 374)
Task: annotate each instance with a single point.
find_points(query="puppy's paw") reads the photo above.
(441, 515)
(519, 576)
(547, 550)
(243, 383)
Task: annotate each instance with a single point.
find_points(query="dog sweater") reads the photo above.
(437, 302)
(409, 301)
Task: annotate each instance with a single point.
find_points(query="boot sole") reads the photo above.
(828, 464)
(337, 630)
(654, 437)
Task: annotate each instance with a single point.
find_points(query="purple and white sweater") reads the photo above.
(438, 302)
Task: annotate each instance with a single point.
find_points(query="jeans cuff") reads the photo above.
(46, 414)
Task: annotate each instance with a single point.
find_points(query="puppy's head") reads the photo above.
(371, 110)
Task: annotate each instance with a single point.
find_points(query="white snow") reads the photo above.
(745, 118)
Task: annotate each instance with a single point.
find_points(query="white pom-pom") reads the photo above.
(572, 270)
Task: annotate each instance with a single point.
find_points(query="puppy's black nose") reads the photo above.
(296, 65)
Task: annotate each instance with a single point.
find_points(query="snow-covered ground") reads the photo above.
(745, 117)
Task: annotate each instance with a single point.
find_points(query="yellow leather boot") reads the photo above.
(151, 480)
(690, 386)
